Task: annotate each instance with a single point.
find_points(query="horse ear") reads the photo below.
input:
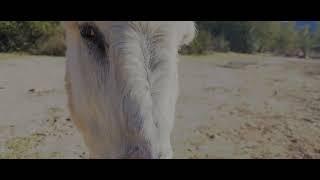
(189, 32)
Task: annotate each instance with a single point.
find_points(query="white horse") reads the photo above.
(122, 84)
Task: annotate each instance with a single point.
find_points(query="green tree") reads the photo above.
(287, 38)
(316, 36)
(36, 37)
(305, 41)
(237, 33)
(265, 35)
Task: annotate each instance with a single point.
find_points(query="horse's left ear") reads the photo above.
(188, 31)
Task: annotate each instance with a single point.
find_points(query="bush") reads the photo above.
(9, 33)
(52, 46)
(202, 44)
(47, 37)
(221, 44)
(35, 37)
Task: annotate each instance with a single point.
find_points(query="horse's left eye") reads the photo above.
(93, 37)
(88, 32)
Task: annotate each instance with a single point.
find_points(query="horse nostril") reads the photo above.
(156, 124)
(136, 148)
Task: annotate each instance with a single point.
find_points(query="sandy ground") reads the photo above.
(230, 106)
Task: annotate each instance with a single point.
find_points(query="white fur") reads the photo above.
(126, 109)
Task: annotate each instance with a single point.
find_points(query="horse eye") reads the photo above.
(94, 39)
(88, 32)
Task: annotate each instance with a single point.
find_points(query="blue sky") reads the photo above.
(311, 24)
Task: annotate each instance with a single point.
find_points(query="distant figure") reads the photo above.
(122, 84)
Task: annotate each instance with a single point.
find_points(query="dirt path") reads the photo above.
(230, 106)
(34, 121)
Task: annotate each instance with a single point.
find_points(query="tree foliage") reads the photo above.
(283, 38)
(278, 37)
(30, 36)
